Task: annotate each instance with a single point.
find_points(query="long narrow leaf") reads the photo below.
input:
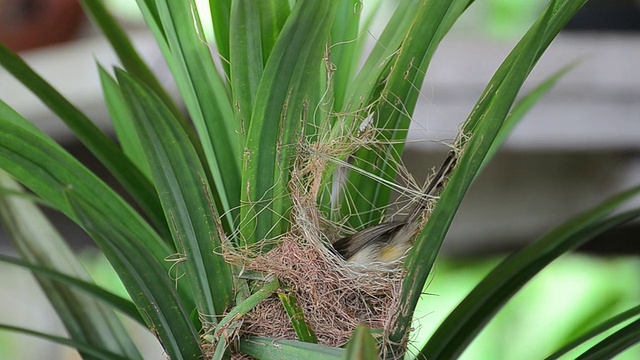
(495, 103)
(86, 319)
(185, 195)
(93, 138)
(614, 343)
(80, 346)
(344, 48)
(392, 116)
(122, 45)
(255, 26)
(267, 349)
(605, 326)
(207, 100)
(220, 17)
(466, 321)
(145, 279)
(283, 103)
(522, 108)
(46, 169)
(122, 123)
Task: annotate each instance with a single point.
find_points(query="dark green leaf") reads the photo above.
(37, 241)
(122, 123)
(466, 321)
(93, 138)
(283, 103)
(255, 26)
(220, 17)
(345, 47)
(46, 169)
(185, 195)
(478, 134)
(123, 47)
(145, 279)
(615, 343)
(605, 326)
(116, 302)
(522, 108)
(392, 114)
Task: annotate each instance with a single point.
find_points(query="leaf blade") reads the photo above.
(185, 196)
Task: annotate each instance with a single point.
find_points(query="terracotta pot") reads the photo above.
(27, 24)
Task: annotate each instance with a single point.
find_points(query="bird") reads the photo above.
(387, 242)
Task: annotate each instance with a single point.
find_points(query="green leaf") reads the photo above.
(47, 169)
(365, 88)
(345, 46)
(469, 317)
(206, 99)
(361, 346)
(615, 343)
(86, 319)
(105, 150)
(122, 123)
(605, 326)
(84, 348)
(267, 348)
(282, 104)
(245, 306)
(220, 17)
(296, 315)
(393, 110)
(185, 195)
(123, 47)
(522, 108)
(255, 26)
(145, 279)
(480, 128)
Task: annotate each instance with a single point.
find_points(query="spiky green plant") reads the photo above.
(219, 175)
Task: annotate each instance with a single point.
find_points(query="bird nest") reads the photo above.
(334, 295)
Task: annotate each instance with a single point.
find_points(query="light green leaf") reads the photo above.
(105, 150)
(296, 315)
(267, 348)
(122, 123)
(361, 346)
